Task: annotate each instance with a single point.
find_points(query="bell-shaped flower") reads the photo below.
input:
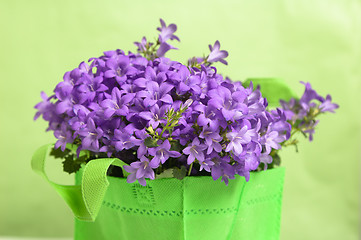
(155, 115)
(239, 138)
(124, 140)
(139, 171)
(45, 108)
(90, 86)
(161, 154)
(222, 169)
(156, 93)
(327, 105)
(90, 136)
(119, 68)
(211, 136)
(309, 95)
(217, 55)
(271, 140)
(230, 104)
(167, 32)
(195, 150)
(142, 45)
(64, 136)
(116, 104)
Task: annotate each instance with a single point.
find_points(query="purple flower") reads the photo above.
(230, 104)
(251, 157)
(119, 68)
(162, 153)
(116, 104)
(64, 136)
(288, 108)
(301, 113)
(309, 95)
(142, 46)
(90, 86)
(163, 48)
(124, 140)
(208, 163)
(212, 137)
(142, 149)
(195, 151)
(207, 115)
(189, 83)
(310, 128)
(156, 93)
(327, 105)
(64, 88)
(91, 136)
(44, 108)
(266, 159)
(183, 134)
(139, 171)
(256, 103)
(119, 101)
(80, 119)
(166, 32)
(216, 55)
(222, 169)
(155, 115)
(238, 138)
(271, 140)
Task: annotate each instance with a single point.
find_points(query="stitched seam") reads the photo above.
(236, 213)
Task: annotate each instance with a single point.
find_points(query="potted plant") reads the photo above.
(165, 150)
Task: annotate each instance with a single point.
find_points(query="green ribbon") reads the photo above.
(85, 199)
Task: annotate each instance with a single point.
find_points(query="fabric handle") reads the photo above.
(85, 199)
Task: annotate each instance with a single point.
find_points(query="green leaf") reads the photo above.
(70, 165)
(168, 173)
(277, 160)
(273, 89)
(57, 153)
(82, 159)
(180, 173)
(176, 146)
(149, 142)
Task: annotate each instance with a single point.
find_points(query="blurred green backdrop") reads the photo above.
(316, 41)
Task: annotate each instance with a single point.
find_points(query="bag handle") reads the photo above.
(85, 199)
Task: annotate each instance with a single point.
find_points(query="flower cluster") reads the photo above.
(157, 114)
(302, 113)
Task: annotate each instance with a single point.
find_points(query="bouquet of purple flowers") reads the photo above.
(168, 119)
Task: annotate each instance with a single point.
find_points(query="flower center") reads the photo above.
(161, 153)
(115, 105)
(211, 114)
(207, 133)
(194, 149)
(118, 71)
(145, 165)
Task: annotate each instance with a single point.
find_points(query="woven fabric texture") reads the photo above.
(194, 208)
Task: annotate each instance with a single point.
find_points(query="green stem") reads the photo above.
(294, 132)
(190, 169)
(165, 128)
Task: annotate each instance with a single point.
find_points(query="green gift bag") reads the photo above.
(194, 208)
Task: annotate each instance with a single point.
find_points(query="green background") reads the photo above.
(316, 41)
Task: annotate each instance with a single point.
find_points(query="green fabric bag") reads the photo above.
(194, 208)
